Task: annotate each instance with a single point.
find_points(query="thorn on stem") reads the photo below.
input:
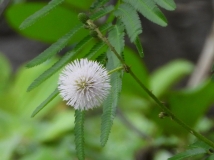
(83, 17)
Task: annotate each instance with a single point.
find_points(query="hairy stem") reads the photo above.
(92, 26)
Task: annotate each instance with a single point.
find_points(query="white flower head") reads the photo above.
(84, 84)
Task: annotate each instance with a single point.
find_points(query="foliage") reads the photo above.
(194, 149)
(79, 134)
(110, 104)
(75, 37)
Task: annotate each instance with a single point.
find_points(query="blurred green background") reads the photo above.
(137, 133)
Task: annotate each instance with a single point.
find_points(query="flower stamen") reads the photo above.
(84, 84)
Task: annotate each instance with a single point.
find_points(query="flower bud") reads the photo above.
(94, 34)
(83, 17)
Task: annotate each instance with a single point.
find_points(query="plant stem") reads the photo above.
(115, 70)
(171, 115)
(163, 107)
(105, 40)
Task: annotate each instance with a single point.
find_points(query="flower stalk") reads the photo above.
(93, 27)
(115, 70)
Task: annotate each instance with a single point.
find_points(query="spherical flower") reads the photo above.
(84, 84)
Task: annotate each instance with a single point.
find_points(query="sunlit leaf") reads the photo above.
(37, 15)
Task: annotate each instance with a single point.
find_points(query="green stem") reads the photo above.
(115, 70)
(92, 26)
(163, 107)
(171, 115)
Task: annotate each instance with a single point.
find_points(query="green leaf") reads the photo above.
(166, 4)
(116, 38)
(42, 12)
(44, 103)
(79, 5)
(149, 10)
(102, 58)
(188, 153)
(130, 19)
(64, 60)
(199, 144)
(199, 147)
(194, 102)
(168, 75)
(62, 42)
(109, 107)
(131, 91)
(98, 4)
(24, 103)
(54, 48)
(106, 27)
(79, 134)
(61, 124)
(102, 12)
(49, 72)
(139, 47)
(49, 28)
(95, 49)
(58, 65)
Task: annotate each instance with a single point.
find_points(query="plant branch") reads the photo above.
(171, 115)
(92, 26)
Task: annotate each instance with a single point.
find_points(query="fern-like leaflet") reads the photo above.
(64, 60)
(130, 19)
(54, 48)
(40, 13)
(102, 12)
(63, 41)
(149, 10)
(79, 134)
(58, 65)
(116, 38)
(45, 102)
(139, 47)
(95, 49)
(98, 4)
(166, 4)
